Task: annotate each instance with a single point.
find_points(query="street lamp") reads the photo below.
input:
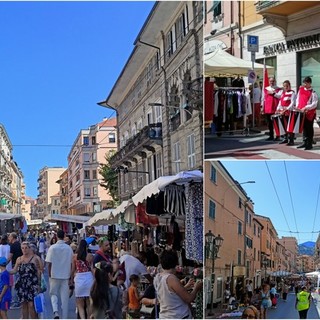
(156, 104)
(234, 185)
(213, 245)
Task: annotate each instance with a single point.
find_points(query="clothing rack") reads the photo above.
(230, 88)
(246, 130)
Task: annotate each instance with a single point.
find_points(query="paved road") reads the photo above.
(286, 310)
(48, 314)
(255, 147)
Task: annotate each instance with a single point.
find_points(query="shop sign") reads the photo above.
(292, 45)
(239, 271)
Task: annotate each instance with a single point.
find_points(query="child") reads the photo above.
(5, 292)
(134, 297)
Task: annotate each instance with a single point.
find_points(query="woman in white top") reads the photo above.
(5, 250)
(173, 297)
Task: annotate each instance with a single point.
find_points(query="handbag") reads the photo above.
(147, 309)
(43, 284)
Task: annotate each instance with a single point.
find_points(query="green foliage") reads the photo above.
(110, 177)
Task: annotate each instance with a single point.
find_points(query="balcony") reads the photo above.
(151, 134)
(283, 8)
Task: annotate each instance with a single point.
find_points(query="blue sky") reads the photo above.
(302, 178)
(57, 60)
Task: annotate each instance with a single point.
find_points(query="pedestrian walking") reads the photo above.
(173, 297)
(15, 253)
(105, 299)
(5, 290)
(265, 300)
(104, 252)
(303, 302)
(82, 275)
(307, 101)
(59, 261)
(29, 269)
(134, 297)
(273, 296)
(249, 290)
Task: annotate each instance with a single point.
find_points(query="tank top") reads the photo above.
(171, 305)
(82, 266)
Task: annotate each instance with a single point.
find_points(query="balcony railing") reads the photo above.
(150, 133)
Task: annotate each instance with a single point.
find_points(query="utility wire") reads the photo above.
(274, 187)
(294, 214)
(315, 213)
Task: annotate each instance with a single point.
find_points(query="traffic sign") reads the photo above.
(253, 43)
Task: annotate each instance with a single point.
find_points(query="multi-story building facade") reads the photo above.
(47, 186)
(55, 205)
(11, 177)
(64, 198)
(269, 238)
(306, 263)
(222, 27)
(85, 194)
(158, 98)
(291, 245)
(289, 38)
(229, 213)
(29, 208)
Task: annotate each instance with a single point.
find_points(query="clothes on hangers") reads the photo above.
(175, 200)
(194, 222)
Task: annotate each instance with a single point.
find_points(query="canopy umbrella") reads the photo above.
(280, 273)
(220, 62)
(104, 217)
(8, 216)
(312, 274)
(159, 184)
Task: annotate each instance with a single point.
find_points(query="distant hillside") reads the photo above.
(307, 248)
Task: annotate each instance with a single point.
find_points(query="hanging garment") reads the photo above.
(175, 200)
(194, 222)
(155, 204)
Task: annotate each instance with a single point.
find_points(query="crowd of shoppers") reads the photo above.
(105, 285)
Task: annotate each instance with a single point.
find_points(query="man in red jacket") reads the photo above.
(270, 101)
(307, 101)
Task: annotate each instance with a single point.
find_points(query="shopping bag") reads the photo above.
(39, 303)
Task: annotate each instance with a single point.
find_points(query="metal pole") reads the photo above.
(212, 285)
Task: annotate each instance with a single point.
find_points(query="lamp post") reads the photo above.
(234, 185)
(213, 244)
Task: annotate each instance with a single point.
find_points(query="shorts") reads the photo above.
(4, 305)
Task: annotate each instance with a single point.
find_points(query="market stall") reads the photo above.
(10, 222)
(227, 101)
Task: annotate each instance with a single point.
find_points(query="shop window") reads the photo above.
(309, 66)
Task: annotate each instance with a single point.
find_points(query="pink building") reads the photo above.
(86, 196)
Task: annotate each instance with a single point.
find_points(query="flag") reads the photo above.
(265, 76)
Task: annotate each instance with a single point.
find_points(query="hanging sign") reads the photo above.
(252, 76)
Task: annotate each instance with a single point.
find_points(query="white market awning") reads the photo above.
(104, 217)
(313, 274)
(8, 216)
(159, 184)
(66, 218)
(220, 62)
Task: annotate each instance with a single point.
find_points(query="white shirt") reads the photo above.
(5, 252)
(132, 266)
(60, 255)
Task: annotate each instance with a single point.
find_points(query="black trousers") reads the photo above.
(303, 314)
(270, 125)
(308, 131)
